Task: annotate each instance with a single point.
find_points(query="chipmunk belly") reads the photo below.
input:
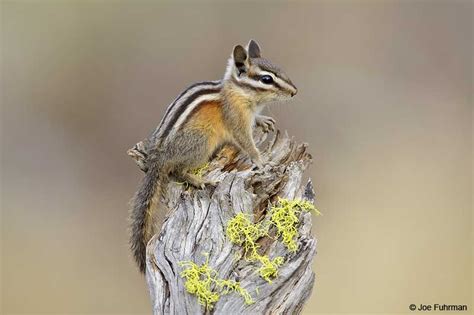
(208, 119)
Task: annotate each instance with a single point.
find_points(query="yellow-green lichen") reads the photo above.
(230, 285)
(269, 268)
(200, 170)
(284, 216)
(202, 281)
(242, 231)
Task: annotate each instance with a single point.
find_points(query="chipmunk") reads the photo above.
(203, 118)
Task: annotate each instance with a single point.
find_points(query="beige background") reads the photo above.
(385, 103)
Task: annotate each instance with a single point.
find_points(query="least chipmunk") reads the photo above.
(201, 120)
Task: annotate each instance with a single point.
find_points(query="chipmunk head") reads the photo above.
(256, 77)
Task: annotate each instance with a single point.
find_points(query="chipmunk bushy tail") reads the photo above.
(144, 205)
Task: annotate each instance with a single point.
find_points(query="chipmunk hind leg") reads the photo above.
(191, 179)
(190, 150)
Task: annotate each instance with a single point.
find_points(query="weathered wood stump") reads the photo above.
(196, 224)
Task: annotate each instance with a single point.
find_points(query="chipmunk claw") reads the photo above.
(265, 122)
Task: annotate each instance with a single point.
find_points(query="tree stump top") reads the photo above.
(196, 222)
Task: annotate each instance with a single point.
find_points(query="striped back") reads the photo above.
(183, 105)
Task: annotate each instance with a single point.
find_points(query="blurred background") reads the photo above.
(385, 103)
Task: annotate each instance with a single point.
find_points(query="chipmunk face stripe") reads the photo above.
(249, 84)
(253, 80)
(179, 101)
(280, 82)
(187, 102)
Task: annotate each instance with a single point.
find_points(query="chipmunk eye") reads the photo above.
(267, 79)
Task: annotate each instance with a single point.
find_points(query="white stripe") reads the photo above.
(284, 84)
(178, 102)
(207, 97)
(255, 83)
(263, 72)
(277, 79)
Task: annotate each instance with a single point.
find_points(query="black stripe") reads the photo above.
(278, 86)
(236, 82)
(183, 106)
(258, 77)
(268, 69)
(287, 82)
(194, 111)
(168, 110)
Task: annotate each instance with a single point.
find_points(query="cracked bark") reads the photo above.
(196, 222)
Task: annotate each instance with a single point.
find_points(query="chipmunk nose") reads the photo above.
(294, 92)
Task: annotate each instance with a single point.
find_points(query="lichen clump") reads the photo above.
(200, 170)
(284, 216)
(242, 231)
(203, 281)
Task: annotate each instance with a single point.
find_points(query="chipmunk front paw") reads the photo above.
(265, 122)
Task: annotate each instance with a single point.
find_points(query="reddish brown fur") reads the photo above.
(208, 119)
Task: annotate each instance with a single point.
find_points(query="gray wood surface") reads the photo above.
(196, 224)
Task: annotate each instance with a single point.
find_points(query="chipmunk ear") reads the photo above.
(241, 60)
(253, 49)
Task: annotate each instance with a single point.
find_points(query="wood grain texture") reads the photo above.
(196, 223)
